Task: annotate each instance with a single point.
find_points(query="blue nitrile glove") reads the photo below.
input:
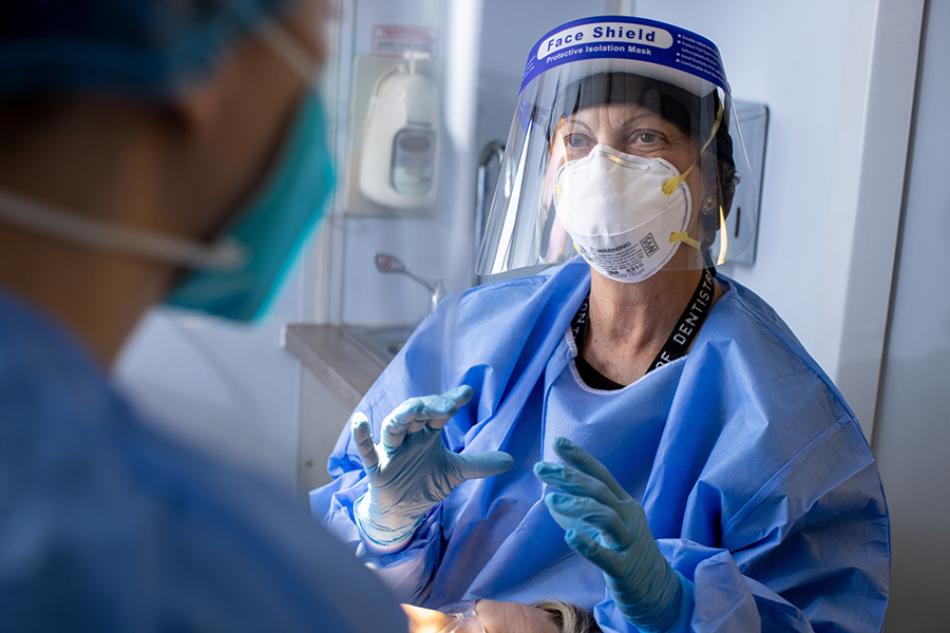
(608, 527)
(410, 470)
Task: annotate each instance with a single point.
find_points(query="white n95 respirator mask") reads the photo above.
(627, 214)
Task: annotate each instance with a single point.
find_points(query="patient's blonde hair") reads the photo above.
(569, 618)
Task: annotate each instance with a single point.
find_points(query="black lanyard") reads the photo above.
(684, 332)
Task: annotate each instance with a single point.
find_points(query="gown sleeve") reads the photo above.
(808, 552)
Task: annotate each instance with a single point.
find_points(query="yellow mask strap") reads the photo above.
(674, 181)
(683, 237)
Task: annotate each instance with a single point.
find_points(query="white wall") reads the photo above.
(912, 434)
(322, 416)
(229, 389)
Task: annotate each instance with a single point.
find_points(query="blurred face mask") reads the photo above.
(237, 276)
(627, 214)
(276, 223)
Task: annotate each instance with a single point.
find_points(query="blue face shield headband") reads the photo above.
(237, 277)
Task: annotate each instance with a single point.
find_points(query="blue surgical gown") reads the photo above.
(107, 525)
(756, 479)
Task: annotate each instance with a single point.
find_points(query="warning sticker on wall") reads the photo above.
(395, 39)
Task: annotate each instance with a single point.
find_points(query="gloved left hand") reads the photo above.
(411, 470)
(608, 527)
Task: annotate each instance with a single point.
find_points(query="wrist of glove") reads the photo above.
(410, 470)
(608, 527)
(653, 610)
(386, 530)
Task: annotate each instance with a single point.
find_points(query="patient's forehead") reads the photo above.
(511, 617)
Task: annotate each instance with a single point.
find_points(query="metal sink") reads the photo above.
(381, 343)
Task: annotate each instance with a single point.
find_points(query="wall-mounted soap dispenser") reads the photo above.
(399, 152)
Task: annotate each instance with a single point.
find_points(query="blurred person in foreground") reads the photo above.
(152, 152)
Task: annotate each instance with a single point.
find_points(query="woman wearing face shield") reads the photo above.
(152, 152)
(693, 467)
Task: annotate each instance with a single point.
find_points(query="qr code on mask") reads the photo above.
(649, 245)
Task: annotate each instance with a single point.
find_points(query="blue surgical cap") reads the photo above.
(137, 47)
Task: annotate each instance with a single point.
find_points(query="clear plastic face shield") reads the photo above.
(455, 618)
(624, 149)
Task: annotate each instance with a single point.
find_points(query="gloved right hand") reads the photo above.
(410, 470)
(604, 524)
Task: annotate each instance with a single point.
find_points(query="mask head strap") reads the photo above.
(69, 227)
(684, 238)
(289, 50)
